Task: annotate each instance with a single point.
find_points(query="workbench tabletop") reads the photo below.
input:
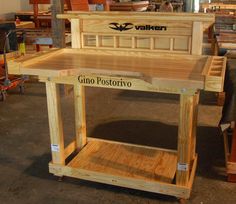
(74, 62)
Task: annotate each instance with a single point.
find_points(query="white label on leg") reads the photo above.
(182, 167)
(55, 147)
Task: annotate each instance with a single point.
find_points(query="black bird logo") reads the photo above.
(121, 27)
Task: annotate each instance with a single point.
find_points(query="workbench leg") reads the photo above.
(185, 138)
(194, 129)
(232, 177)
(37, 48)
(216, 48)
(55, 123)
(80, 115)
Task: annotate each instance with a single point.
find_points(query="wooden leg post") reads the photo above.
(185, 137)
(80, 116)
(55, 123)
(37, 47)
(194, 129)
(231, 176)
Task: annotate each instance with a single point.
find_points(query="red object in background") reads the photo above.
(14, 82)
(17, 20)
(81, 5)
(2, 71)
(1, 62)
(39, 1)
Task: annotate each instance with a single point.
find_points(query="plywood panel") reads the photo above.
(127, 161)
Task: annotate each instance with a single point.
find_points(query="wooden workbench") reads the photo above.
(110, 50)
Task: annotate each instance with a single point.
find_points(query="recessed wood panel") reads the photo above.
(106, 41)
(89, 40)
(162, 43)
(143, 42)
(125, 42)
(181, 44)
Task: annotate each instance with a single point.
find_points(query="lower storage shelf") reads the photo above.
(127, 161)
(133, 166)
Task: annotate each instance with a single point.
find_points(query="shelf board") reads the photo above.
(125, 160)
(128, 165)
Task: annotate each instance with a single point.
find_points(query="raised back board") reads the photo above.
(150, 32)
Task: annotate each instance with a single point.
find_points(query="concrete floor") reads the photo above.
(136, 117)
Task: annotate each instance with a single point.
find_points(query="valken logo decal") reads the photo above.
(128, 26)
(121, 27)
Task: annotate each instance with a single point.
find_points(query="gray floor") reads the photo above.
(136, 117)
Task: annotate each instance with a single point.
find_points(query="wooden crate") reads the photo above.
(109, 50)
